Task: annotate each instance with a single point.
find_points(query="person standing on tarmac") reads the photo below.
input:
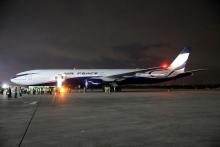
(8, 93)
(15, 92)
(19, 91)
(34, 91)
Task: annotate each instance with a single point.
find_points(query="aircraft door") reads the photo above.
(60, 79)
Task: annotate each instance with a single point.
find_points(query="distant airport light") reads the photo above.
(164, 66)
(5, 85)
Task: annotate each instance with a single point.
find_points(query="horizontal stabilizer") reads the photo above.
(195, 70)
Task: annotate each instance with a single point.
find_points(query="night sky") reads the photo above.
(109, 34)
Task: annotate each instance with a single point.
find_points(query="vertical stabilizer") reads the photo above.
(178, 65)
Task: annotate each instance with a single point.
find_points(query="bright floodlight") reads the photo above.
(5, 85)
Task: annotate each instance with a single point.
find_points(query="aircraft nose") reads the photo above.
(13, 80)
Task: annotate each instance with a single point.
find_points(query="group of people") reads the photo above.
(12, 92)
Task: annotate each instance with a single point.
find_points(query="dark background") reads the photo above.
(39, 34)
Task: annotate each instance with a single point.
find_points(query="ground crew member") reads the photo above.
(79, 88)
(15, 92)
(8, 93)
(34, 91)
(20, 92)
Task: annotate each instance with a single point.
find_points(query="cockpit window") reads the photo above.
(20, 75)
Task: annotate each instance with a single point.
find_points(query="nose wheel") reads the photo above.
(86, 84)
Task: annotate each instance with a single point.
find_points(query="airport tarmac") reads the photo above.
(125, 119)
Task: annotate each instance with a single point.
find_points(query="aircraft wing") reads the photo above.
(123, 76)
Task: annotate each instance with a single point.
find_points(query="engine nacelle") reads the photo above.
(90, 83)
(154, 74)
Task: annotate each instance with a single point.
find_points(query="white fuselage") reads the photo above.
(106, 76)
(34, 77)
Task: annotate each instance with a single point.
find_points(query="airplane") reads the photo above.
(97, 78)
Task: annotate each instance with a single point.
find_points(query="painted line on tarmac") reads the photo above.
(29, 123)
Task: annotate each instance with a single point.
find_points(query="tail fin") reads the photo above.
(178, 65)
